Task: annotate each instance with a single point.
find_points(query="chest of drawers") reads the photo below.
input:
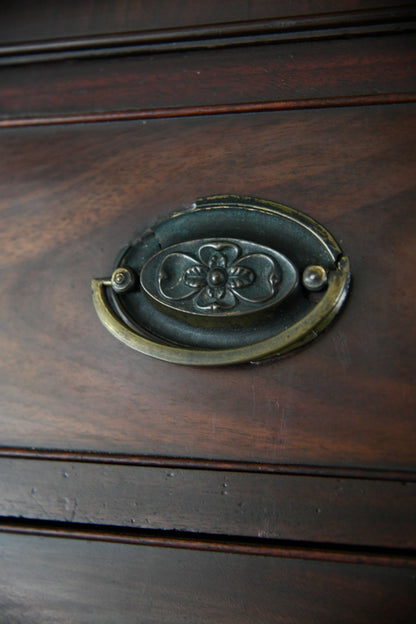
(135, 490)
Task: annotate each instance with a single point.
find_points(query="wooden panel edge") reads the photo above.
(269, 30)
(256, 505)
(377, 557)
(214, 109)
(125, 459)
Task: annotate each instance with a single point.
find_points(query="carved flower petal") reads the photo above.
(267, 277)
(217, 259)
(218, 292)
(219, 254)
(228, 300)
(171, 278)
(239, 276)
(196, 276)
(208, 299)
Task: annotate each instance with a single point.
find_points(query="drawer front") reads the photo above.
(127, 582)
(72, 196)
(315, 73)
(307, 508)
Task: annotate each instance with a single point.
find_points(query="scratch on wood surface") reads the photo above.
(74, 511)
(279, 432)
(33, 495)
(342, 349)
(214, 424)
(253, 398)
(283, 427)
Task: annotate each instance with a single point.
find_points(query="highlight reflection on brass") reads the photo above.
(296, 336)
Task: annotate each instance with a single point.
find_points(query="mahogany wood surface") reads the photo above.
(71, 197)
(293, 71)
(133, 490)
(284, 507)
(22, 21)
(102, 581)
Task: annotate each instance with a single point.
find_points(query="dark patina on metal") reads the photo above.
(218, 277)
(231, 279)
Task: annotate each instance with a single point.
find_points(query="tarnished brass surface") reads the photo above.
(218, 277)
(233, 295)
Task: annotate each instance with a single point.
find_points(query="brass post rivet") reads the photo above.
(314, 277)
(122, 280)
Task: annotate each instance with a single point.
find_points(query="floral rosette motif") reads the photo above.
(219, 278)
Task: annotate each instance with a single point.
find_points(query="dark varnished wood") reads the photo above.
(24, 22)
(284, 507)
(136, 491)
(391, 558)
(249, 32)
(108, 582)
(165, 461)
(72, 197)
(350, 68)
(215, 109)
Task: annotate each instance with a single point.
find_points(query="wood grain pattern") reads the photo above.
(135, 490)
(284, 507)
(205, 37)
(72, 197)
(390, 558)
(347, 67)
(95, 17)
(198, 463)
(204, 110)
(118, 582)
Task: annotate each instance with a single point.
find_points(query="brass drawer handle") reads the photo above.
(233, 279)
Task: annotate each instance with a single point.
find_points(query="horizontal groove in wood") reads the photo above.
(330, 25)
(189, 46)
(118, 580)
(230, 29)
(291, 507)
(88, 18)
(300, 75)
(186, 463)
(221, 109)
(264, 548)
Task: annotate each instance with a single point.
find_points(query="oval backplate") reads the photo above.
(218, 277)
(220, 283)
